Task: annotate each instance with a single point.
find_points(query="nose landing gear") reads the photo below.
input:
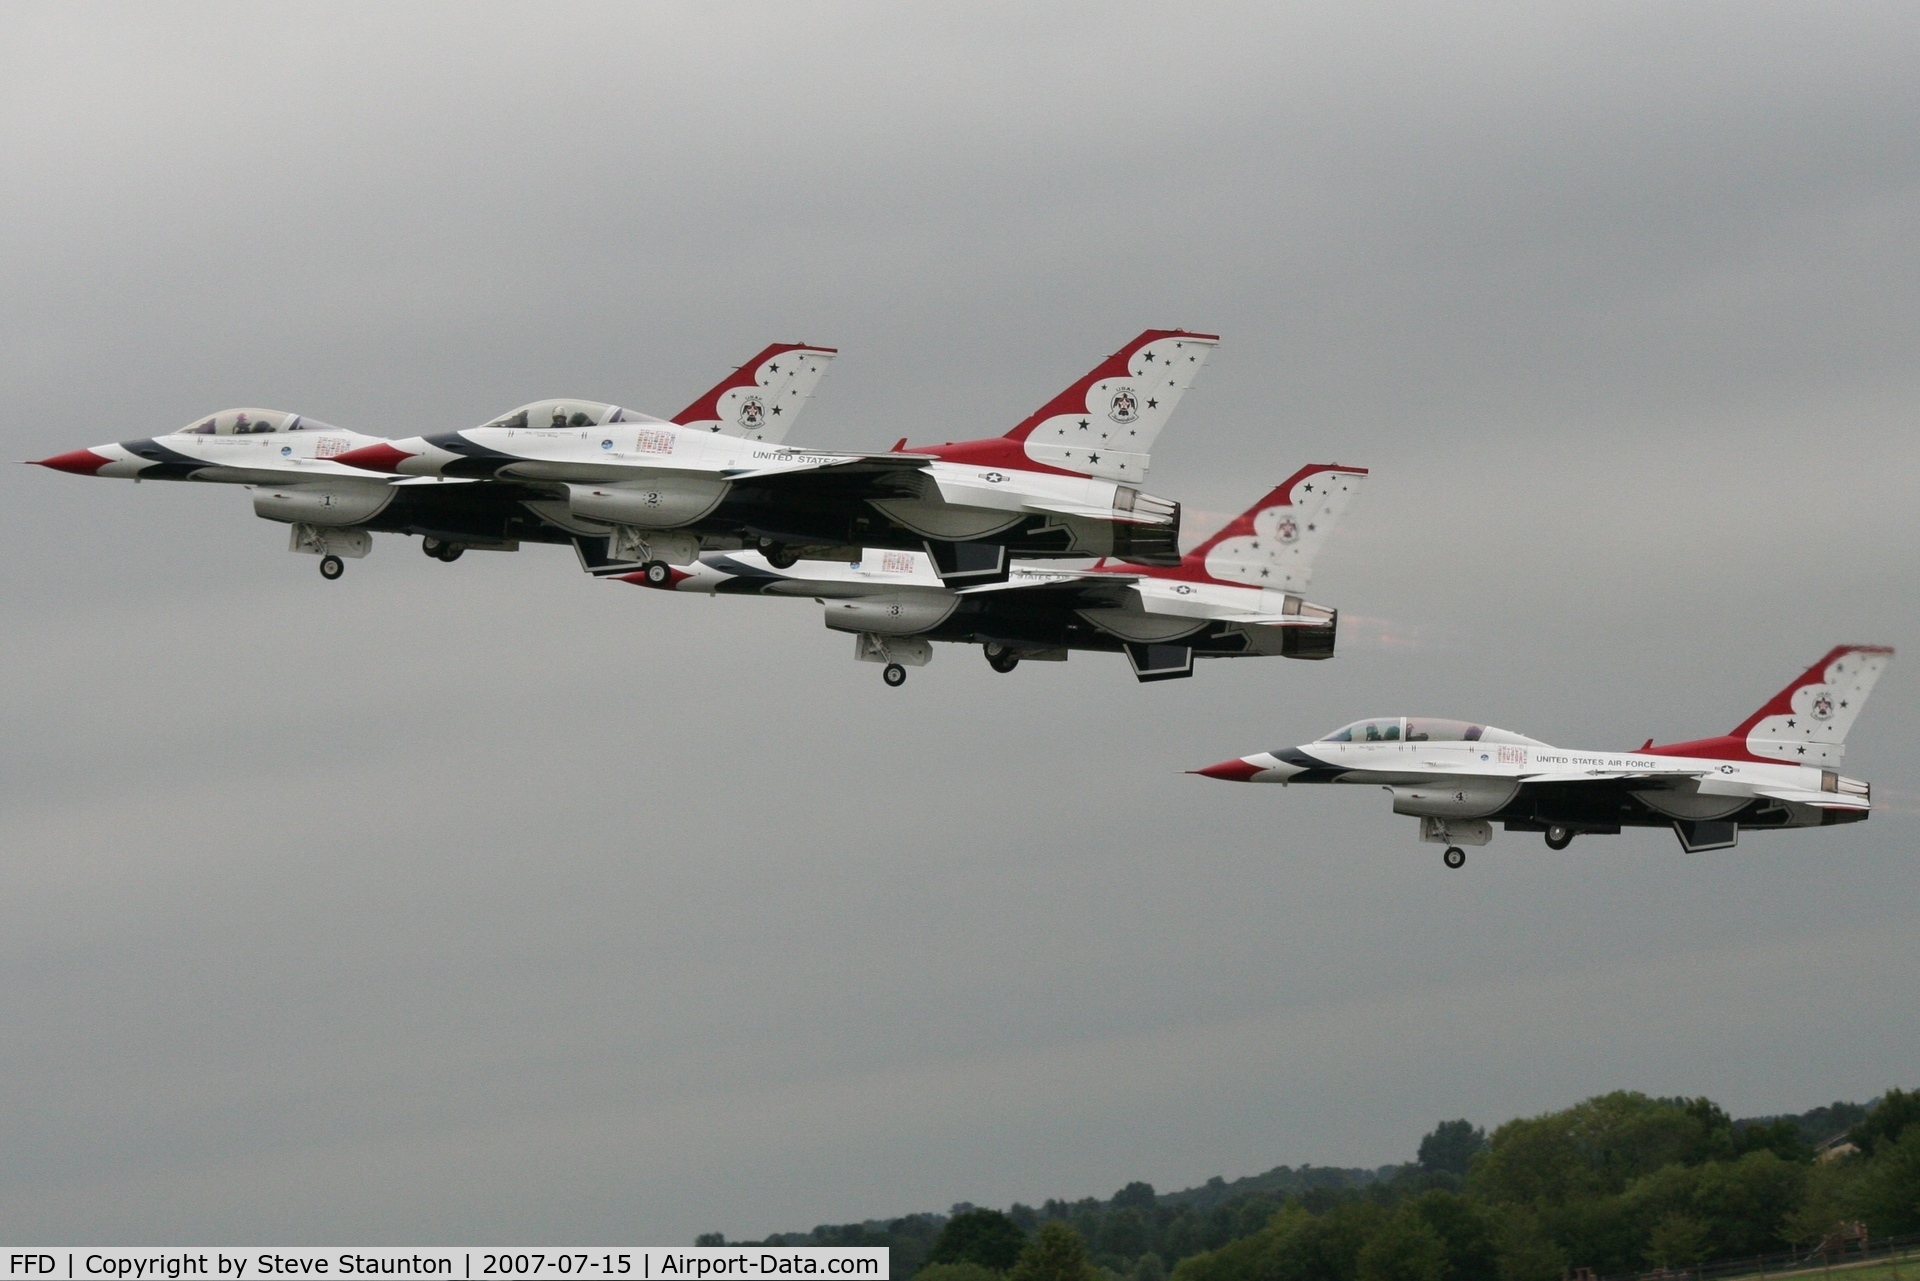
(1558, 837)
(1454, 856)
(894, 675)
(331, 567)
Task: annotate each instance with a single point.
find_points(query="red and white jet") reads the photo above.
(1779, 768)
(299, 471)
(637, 491)
(1236, 595)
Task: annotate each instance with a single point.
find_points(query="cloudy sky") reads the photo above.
(486, 901)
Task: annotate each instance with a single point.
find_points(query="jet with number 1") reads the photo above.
(1779, 768)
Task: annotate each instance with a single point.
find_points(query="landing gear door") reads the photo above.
(1159, 662)
(1706, 834)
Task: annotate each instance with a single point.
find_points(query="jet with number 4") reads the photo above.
(1779, 768)
(301, 471)
(636, 492)
(1236, 595)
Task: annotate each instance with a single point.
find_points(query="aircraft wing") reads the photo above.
(1276, 620)
(1611, 776)
(1821, 800)
(838, 464)
(1070, 589)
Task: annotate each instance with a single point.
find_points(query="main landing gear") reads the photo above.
(1558, 837)
(440, 549)
(894, 675)
(1454, 857)
(781, 557)
(1000, 658)
(331, 567)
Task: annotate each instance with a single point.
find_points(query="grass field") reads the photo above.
(1901, 1269)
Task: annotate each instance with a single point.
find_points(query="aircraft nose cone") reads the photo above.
(381, 457)
(81, 462)
(639, 578)
(1234, 771)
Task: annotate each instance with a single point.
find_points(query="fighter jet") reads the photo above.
(296, 466)
(1779, 768)
(635, 492)
(1236, 595)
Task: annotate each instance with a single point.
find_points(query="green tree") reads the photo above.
(1677, 1241)
(1594, 1148)
(1887, 1193)
(1466, 1229)
(1526, 1250)
(1451, 1147)
(957, 1272)
(1890, 1117)
(986, 1237)
(1406, 1248)
(1056, 1253)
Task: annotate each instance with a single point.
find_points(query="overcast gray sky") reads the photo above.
(489, 901)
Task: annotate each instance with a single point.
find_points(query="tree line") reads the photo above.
(1619, 1183)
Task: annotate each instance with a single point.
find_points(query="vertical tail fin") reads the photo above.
(1807, 722)
(1105, 423)
(1274, 542)
(1815, 712)
(761, 399)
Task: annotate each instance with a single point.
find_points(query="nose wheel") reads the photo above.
(1558, 838)
(658, 575)
(1454, 857)
(781, 557)
(331, 567)
(894, 674)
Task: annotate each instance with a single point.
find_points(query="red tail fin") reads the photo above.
(1105, 423)
(761, 399)
(1274, 542)
(1807, 722)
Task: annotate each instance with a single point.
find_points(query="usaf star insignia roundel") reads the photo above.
(753, 413)
(1125, 407)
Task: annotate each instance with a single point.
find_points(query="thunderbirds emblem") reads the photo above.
(1126, 406)
(753, 413)
(1822, 706)
(1286, 531)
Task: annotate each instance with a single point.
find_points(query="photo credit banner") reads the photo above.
(466, 1263)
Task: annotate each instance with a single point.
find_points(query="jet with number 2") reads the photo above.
(639, 492)
(1779, 768)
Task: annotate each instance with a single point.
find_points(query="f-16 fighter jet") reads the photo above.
(1236, 595)
(297, 470)
(634, 491)
(1779, 768)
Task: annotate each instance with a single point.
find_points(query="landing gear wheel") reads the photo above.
(1454, 857)
(451, 552)
(331, 567)
(894, 675)
(781, 557)
(657, 574)
(1558, 838)
(1000, 658)
(433, 547)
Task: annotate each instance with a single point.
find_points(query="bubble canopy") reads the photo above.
(1420, 729)
(557, 415)
(251, 422)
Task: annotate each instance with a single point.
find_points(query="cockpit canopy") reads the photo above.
(1420, 729)
(557, 415)
(250, 422)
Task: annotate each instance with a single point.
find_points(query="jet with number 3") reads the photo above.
(1237, 595)
(1779, 768)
